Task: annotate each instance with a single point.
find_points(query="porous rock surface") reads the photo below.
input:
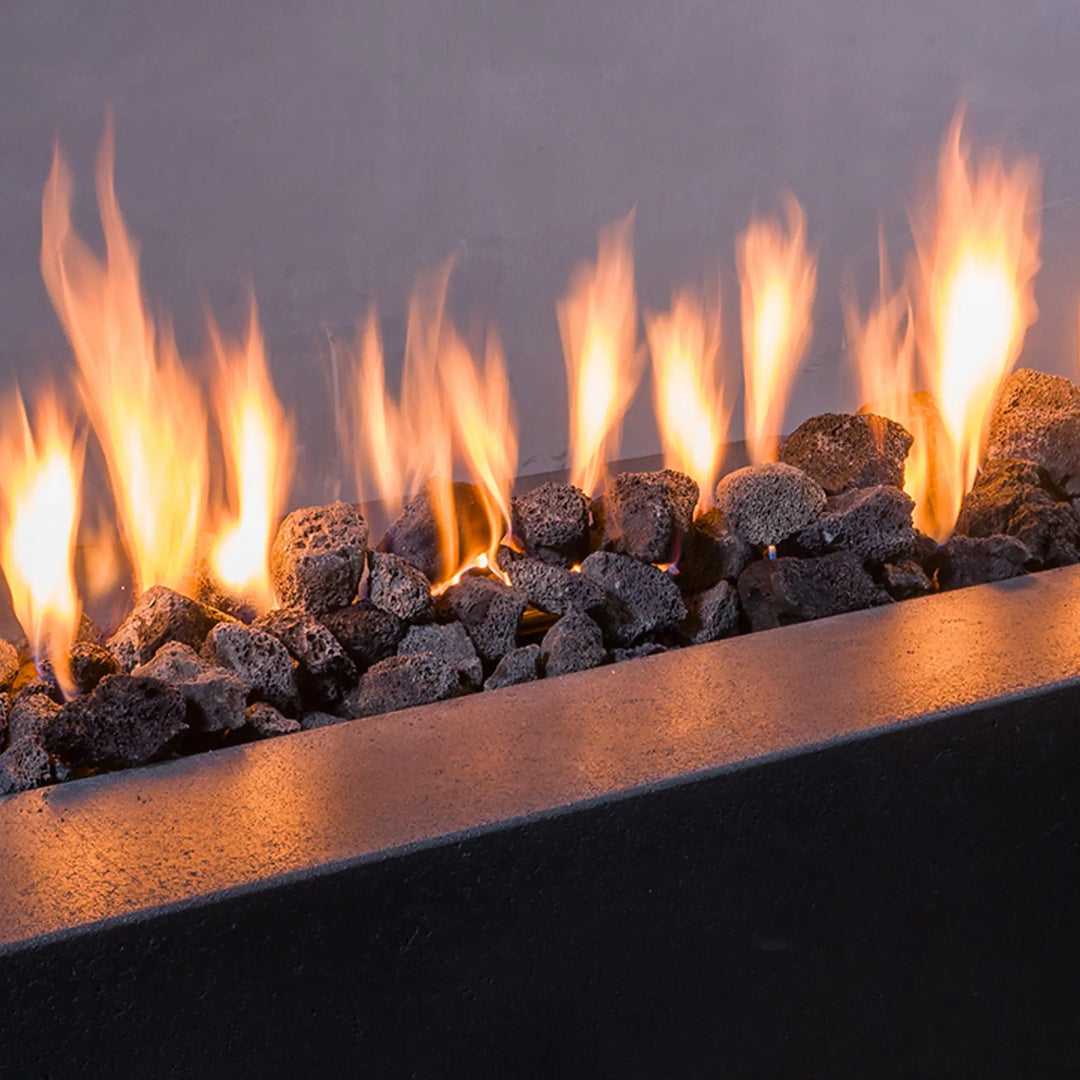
(765, 504)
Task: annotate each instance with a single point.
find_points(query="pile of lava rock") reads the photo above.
(825, 530)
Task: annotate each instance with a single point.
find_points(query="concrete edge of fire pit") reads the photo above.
(142, 842)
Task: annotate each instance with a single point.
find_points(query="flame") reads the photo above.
(39, 508)
(776, 283)
(687, 395)
(147, 413)
(451, 409)
(257, 439)
(976, 272)
(598, 324)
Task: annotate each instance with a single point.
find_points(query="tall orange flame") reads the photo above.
(688, 395)
(976, 275)
(39, 514)
(777, 277)
(147, 413)
(258, 443)
(598, 323)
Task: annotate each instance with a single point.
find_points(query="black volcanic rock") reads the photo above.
(842, 451)
(906, 579)
(9, 664)
(450, 642)
(266, 722)
(401, 682)
(871, 522)
(173, 663)
(398, 587)
(552, 523)
(574, 643)
(30, 714)
(317, 557)
(640, 598)
(710, 615)
(765, 504)
(90, 663)
(776, 592)
(517, 666)
(711, 553)
(259, 660)
(23, 765)
(548, 587)
(161, 615)
(126, 721)
(490, 612)
(648, 514)
(969, 560)
(324, 672)
(366, 632)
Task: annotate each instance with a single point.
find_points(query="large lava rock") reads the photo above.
(873, 523)
(552, 523)
(648, 514)
(640, 599)
(765, 504)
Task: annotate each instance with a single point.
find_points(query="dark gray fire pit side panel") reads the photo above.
(891, 906)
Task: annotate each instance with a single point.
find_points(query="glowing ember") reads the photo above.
(687, 394)
(776, 281)
(598, 323)
(147, 413)
(39, 513)
(257, 439)
(976, 273)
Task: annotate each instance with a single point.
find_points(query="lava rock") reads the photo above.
(640, 598)
(971, 560)
(1015, 498)
(5, 708)
(776, 592)
(843, 451)
(765, 504)
(871, 522)
(90, 663)
(517, 666)
(367, 633)
(906, 579)
(30, 715)
(317, 557)
(711, 615)
(324, 672)
(261, 662)
(490, 611)
(1037, 418)
(216, 700)
(312, 720)
(126, 721)
(638, 652)
(395, 585)
(415, 535)
(450, 643)
(23, 765)
(712, 553)
(265, 721)
(552, 523)
(9, 664)
(548, 587)
(401, 682)
(161, 615)
(173, 663)
(648, 514)
(574, 643)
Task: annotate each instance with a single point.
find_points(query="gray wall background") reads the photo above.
(328, 151)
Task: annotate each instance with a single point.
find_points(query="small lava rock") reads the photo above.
(971, 560)
(216, 700)
(1037, 418)
(906, 579)
(871, 522)
(648, 514)
(843, 451)
(30, 715)
(712, 552)
(9, 664)
(638, 652)
(490, 612)
(548, 587)
(776, 592)
(765, 504)
(397, 586)
(261, 662)
(574, 643)
(711, 615)
(23, 765)
(367, 633)
(401, 682)
(640, 598)
(449, 642)
(126, 721)
(161, 615)
(517, 666)
(317, 557)
(265, 721)
(324, 672)
(173, 663)
(90, 663)
(552, 523)
(312, 720)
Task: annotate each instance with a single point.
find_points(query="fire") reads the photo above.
(598, 323)
(146, 411)
(452, 409)
(257, 440)
(687, 396)
(776, 282)
(39, 514)
(976, 272)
